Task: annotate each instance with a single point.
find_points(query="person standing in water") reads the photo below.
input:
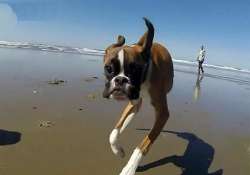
(201, 58)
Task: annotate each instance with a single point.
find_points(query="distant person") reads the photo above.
(201, 58)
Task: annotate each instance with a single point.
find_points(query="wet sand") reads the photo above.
(208, 131)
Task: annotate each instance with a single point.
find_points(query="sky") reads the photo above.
(223, 26)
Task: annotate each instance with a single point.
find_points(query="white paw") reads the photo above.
(116, 148)
(129, 170)
(133, 163)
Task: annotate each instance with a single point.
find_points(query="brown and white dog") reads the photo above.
(127, 69)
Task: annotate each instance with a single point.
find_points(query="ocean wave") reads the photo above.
(50, 48)
(99, 52)
(221, 67)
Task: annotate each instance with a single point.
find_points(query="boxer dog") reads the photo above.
(127, 69)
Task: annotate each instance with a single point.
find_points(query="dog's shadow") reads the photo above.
(196, 159)
(9, 137)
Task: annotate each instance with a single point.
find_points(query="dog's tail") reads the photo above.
(146, 40)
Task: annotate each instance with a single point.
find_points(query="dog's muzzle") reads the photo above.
(120, 81)
(120, 88)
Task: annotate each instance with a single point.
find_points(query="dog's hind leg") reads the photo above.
(129, 112)
(162, 114)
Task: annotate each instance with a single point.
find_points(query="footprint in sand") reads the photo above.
(46, 124)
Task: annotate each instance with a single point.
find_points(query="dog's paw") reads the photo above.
(129, 170)
(118, 150)
(133, 163)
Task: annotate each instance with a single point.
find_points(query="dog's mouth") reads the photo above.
(118, 94)
(121, 92)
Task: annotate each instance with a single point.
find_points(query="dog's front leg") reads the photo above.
(162, 115)
(129, 112)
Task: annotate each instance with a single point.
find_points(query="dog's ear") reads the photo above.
(120, 42)
(146, 40)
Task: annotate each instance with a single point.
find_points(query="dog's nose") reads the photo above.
(120, 80)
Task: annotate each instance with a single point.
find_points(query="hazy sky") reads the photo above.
(223, 26)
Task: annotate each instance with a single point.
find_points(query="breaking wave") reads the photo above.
(87, 51)
(50, 48)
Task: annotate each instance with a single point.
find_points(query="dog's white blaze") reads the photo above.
(121, 74)
(127, 121)
(133, 163)
(121, 59)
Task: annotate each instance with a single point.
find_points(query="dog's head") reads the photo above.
(125, 66)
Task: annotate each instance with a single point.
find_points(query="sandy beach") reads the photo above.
(63, 128)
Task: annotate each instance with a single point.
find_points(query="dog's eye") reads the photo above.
(108, 69)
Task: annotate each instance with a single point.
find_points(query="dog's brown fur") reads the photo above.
(159, 81)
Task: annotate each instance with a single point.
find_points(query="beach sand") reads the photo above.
(63, 129)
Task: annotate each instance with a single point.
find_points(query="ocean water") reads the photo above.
(87, 51)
